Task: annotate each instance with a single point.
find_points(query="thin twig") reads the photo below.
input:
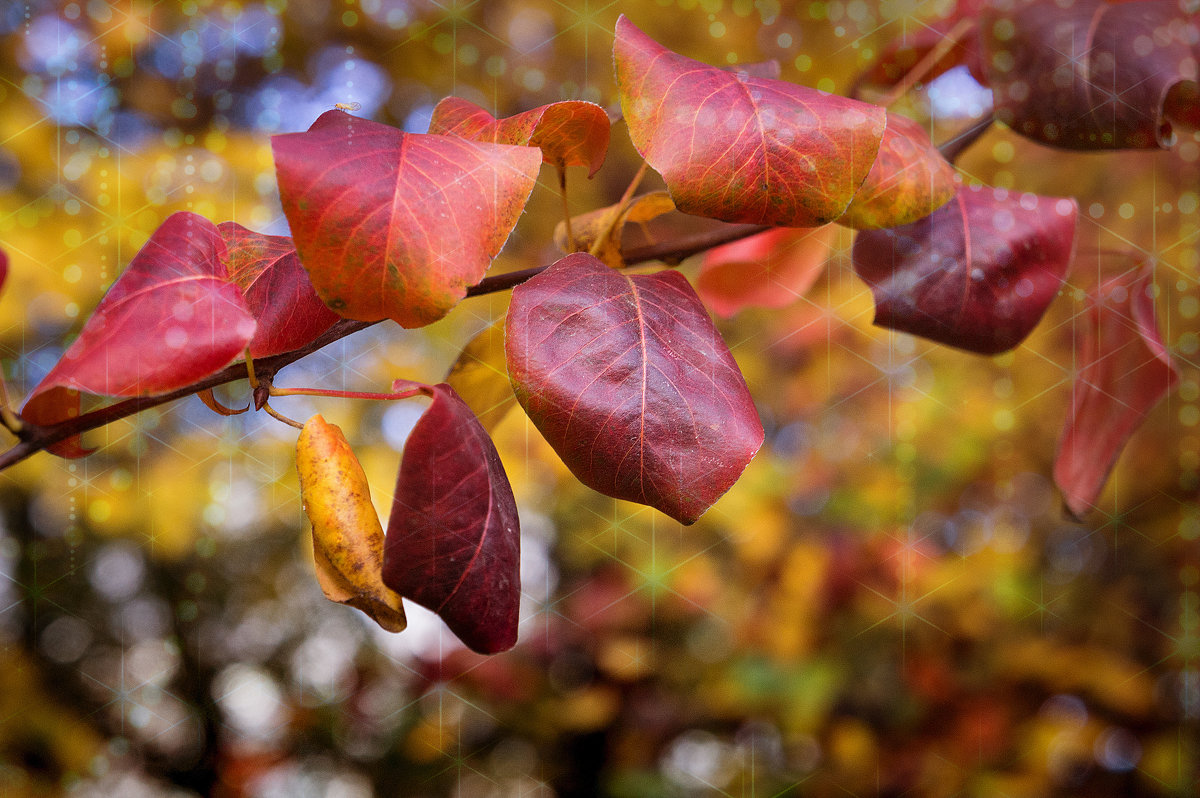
(35, 438)
(922, 68)
(618, 211)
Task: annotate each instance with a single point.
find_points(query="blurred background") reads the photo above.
(890, 602)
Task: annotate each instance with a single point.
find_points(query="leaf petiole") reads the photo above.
(562, 190)
(11, 421)
(618, 211)
(328, 392)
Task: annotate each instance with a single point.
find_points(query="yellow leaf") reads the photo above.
(347, 535)
(480, 377)
(607, 225)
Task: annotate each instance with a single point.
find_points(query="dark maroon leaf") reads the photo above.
(173, 317)
(977, 274)
(630, 382)
(277, 291)
(1125, 371)
(1089, 74)
(394, 225)
(3, 268)
(453, 539)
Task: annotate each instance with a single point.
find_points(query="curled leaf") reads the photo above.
(454, 540)
(173, 317)
(1091, 74)
(396, 225)
(977, 274)
(602, 231)
(630, 382)
(1126, 370)
(347, 535)
(569, 133)
(210, 401)
(741, 148)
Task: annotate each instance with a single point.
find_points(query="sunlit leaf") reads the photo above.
(1091, 74)
(768, 270)
(453, 539)
(908, 181)
(977, 274)
(745, 149)
(629, 381)
(1125, 370)
(569, 133)
(347, 535)
(397, 225)
(276, 288)
(172, 318)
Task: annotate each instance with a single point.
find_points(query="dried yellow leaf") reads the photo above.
(347, 535)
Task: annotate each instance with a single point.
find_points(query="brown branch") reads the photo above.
(34, 438)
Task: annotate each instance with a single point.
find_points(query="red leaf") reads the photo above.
(768, 270)
(173, 317)
(276, 288)
(397, 225)
(976, 274)
(3, 268)
(1090, 75)
(741, 148)
(453, 539)
(1125, 371)
(630, 382)
(908, 181)
(569, 133)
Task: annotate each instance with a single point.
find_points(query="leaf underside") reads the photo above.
(1126, 370)
(768, 270)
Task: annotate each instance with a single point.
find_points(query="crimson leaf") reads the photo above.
(630, 382)
(453, 539)
(397, 225)
(1125, 371)
(768, 270)
(741, 148)
(276, 289)
(977, 274)
(569, 133)
(173, 317)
